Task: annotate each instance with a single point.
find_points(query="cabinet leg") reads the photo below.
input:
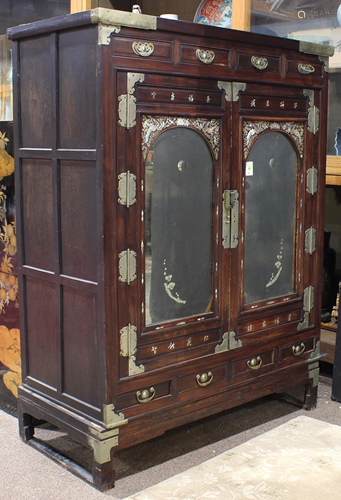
(310, 399)
(103, 475)
(26, 424)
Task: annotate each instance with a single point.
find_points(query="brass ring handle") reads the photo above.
(205, 56)
(204, 379)
(298, 349)
(145, 396)
(143, 49)
(253, 363)
(259, 62)
(305, 69)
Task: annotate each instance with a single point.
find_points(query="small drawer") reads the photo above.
(303, 68)
(254, 365)
(141, 48)
(273, 321)
(204, 379)
(259, 63)
(143, 395)
(296, 351)
(205, 56)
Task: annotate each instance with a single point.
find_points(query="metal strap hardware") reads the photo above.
(230, 219)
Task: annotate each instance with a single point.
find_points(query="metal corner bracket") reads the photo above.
(120, 18)
(128, 344)
(229, 342)
(316, 49)
(232, 90)
(127, 102)
(313, 112)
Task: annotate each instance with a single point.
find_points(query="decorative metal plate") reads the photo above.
(205, 56)
(127, 266)
(127, 189)
(305, 69)
(143, 49)
(259, 62)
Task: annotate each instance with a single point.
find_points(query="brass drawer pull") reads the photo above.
(145, 396)
(253, 363)
(205, 56)
(259, 62)
(204, 379)
(298, 349)
(143, 49)
(305, 69)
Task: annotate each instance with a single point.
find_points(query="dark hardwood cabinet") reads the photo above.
(170, 187)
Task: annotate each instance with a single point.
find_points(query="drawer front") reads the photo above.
(254, 365)
(259, 63)
(206, 56)
(144, 396)
(142, 48)
(296, 351)
(204, 380)
(273, 321)
(304, 68)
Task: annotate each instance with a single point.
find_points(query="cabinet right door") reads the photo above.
(275, 181)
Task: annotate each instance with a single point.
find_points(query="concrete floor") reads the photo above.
(28, 474)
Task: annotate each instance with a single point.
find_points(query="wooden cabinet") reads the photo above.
(170, 182)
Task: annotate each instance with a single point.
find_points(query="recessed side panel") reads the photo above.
(36, 90)
(43, 339)
(77, 88)
(78, 219)
(80, 345)
(270, 218)
(37, 207)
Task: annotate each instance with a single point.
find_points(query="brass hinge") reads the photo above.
(128, 344)
(232, 90)
(312, 180)
(127, 102)
(127, 189)
(230, 221)
(314, 367)
(229, 343)
(308, 299)
(305, 322)
(127, 266)
(310, 240)
(313, 112)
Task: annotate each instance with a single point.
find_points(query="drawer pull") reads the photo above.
(255, 364)
(259, 62)
(305, 69)
(204, 379)
(205, 56)
(145, 396)
(298, 349)
(143, 49)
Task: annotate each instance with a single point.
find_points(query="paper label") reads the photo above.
(249, 168)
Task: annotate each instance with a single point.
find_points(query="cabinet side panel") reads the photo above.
(78, 219)
(80, 345)
(37, 214)
(42, 332)
(36, 92)
(77, 89)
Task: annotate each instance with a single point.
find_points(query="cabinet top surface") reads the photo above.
(119, 18)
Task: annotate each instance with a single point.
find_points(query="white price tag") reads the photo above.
(249, 168)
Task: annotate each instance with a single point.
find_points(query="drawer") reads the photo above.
(206, 56)
(304, 68)
(144, 396)
(259, 363)
(296, 351)
(203, 380)
(142, 48)
(259, 63)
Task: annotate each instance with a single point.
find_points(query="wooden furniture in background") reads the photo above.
(160, 282)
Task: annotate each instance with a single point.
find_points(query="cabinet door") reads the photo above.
(272, 262)
(173, 149)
